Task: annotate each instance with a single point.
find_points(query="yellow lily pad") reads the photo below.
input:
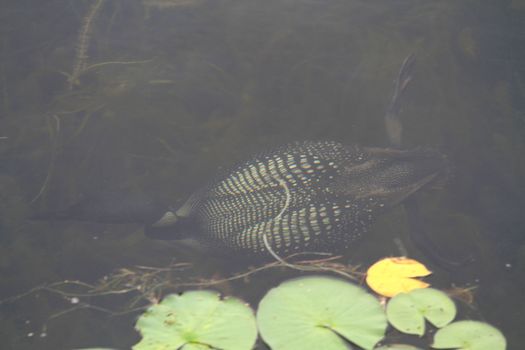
(391, 276)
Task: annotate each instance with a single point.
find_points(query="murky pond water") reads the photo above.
(155, 96)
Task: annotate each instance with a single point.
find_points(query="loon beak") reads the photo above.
(169, 218)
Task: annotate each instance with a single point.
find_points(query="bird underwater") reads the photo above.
(309, 196)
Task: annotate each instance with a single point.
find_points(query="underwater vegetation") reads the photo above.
(83, 44)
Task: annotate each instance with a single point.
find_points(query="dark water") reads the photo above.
(156, 95)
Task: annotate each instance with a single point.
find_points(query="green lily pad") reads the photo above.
(319, 312)
(407, 311)
(469, 335)
(197, 320)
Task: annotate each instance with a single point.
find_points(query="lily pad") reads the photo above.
(469, 335)
(320, 312)
(407, 311)
(391, 276)
(197, 320)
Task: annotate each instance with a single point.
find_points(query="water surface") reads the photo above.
(155, 96)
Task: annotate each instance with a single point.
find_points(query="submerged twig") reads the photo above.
(325, 264)
(85, 120)
(3, 78)
(84, 37)
(53, 133)
(167, 146)
(463, 294)
(151, 283)
(101, 64)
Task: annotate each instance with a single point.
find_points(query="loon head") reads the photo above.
(174, 224)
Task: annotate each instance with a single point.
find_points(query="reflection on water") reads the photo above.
(154, 96)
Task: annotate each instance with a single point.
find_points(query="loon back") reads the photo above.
(306, 196)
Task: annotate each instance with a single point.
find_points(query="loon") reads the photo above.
(305, 196)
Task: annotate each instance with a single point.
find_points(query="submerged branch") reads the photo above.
(84, 37)
(54, 135)
(151, 283)
(101, 64)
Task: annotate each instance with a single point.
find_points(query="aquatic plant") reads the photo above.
(407, 312)
(391, 276)
(302, 313)
(84, 37)
(469, 335)
(197, 320)
(319, 312)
